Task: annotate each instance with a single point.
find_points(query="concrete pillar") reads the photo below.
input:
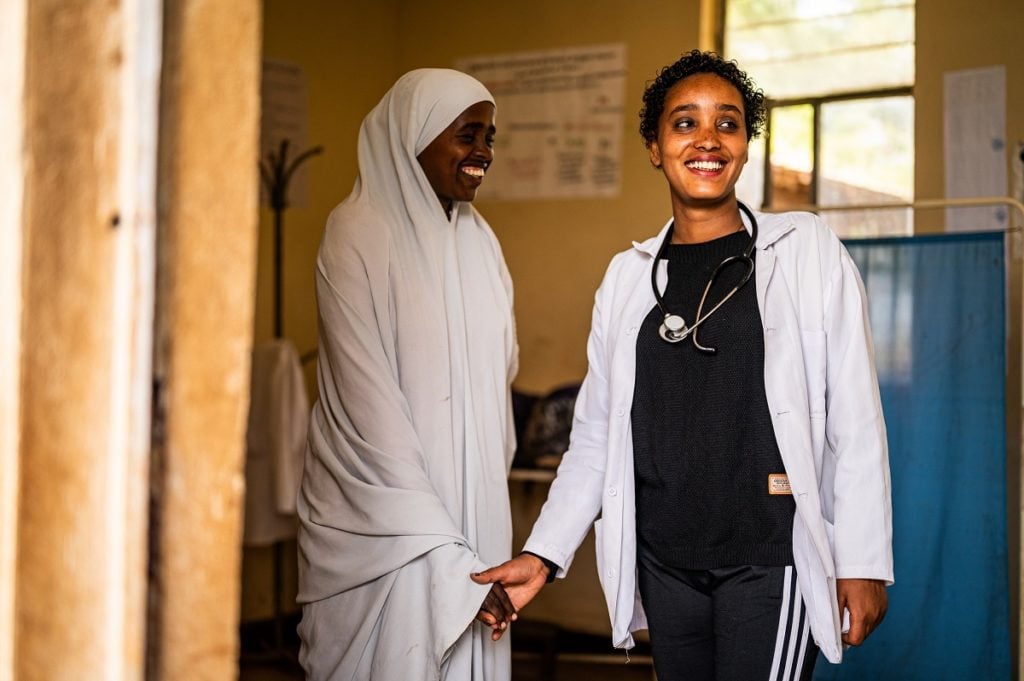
(208, 204)
(86, 248)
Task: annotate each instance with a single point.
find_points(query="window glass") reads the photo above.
(837, 75)
(795, 48)
(867, 156)
(792, 156)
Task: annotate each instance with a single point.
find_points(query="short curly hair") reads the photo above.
(694, 62)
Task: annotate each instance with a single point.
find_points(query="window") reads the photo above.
(838, 77)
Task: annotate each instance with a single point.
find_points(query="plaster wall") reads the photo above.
(951, 36)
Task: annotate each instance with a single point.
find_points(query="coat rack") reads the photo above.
(276, 172)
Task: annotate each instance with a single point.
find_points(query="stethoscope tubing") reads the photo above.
(673, 327)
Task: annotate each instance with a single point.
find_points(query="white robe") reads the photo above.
(404, 490)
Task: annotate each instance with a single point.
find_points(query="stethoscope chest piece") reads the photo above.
(673, 328)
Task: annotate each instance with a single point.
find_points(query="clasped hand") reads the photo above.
(514, 584)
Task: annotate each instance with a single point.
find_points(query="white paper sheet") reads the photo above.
(975, 145)
(285, 115)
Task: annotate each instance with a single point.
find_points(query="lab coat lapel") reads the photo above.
(787, 393)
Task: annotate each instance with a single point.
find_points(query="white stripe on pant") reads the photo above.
(791, 638)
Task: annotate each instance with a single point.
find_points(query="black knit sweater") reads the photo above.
(703, 441)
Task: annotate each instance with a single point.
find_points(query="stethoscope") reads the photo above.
(673, 327)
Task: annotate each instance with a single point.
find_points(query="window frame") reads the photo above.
(720, 9)
(815, 102)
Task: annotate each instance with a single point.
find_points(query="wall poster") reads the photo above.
(559, 121)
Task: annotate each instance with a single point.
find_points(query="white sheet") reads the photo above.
(275, 443)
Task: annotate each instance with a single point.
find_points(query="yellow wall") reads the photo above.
(954, 35)
(347, 53)
(352, 52)
(557, 250)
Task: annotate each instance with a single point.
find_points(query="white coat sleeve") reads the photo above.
(575, 497)
(855, 431)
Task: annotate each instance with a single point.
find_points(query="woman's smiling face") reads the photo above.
(456, 160)
(702, 140)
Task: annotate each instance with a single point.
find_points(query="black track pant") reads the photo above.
(728, 624)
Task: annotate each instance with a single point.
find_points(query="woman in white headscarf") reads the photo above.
(404, 491)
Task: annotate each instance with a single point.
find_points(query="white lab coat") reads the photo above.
(823, 396)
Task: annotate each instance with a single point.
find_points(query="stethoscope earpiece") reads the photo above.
(673, 327)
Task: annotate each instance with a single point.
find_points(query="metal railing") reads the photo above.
(920, 204)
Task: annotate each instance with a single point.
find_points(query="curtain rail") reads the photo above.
(920, 204)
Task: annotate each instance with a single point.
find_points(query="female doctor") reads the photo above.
(729, 431)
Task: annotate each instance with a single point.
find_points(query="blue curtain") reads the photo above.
(937, 308)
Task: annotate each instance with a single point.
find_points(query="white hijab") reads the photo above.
(404, 489)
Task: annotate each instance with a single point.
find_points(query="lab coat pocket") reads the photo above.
(830, 534)
(815, 357)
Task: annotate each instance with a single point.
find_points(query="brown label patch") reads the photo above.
(778, 483)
